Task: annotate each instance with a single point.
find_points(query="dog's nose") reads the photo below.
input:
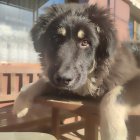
(63, 79)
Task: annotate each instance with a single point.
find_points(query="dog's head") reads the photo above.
(71, 39)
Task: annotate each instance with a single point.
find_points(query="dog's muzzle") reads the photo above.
(63, 80)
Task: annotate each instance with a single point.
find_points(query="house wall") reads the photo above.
(121, 13)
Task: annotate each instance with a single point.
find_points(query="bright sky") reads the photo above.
(48, 3)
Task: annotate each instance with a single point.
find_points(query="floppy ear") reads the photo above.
(105, 29)
(39, 29)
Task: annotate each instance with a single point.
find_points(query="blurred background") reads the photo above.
(18, 16)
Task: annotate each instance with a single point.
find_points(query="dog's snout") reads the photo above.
(63, 79)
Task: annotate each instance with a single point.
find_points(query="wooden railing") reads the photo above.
(14, 76)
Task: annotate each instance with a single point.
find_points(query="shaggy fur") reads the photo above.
(80, 54)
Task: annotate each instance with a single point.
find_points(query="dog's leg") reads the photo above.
(113, 116)
(26, 97)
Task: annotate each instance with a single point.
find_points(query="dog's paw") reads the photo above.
(21, 105)
(22, 113)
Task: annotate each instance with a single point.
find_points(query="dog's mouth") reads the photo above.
(71, 79)
(64, 87)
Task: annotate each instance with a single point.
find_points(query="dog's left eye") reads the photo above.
(84, 44)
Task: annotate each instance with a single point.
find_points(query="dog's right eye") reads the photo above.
(58, 39)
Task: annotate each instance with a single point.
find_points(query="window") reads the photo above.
(16, 20)
(131, 28)
(15, 24)
(74, 0)
(138, 31)
(134, 29)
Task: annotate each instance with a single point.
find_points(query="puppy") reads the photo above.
(80, 54)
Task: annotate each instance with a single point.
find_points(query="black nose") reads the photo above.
(63, 79)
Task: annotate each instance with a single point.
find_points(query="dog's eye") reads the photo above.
(58, 39)
(84, 44)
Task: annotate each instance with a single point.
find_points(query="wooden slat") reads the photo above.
(56, 122)
(20, 68)
(25, 79)
(71, 127)
(91, 128)
(6, 98)
(1, 87)
(14, 84)
(4, 84)
(35, 77)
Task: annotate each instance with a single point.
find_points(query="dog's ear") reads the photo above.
(41, 25)
(40, 28)
(38, 31)
(105, 29)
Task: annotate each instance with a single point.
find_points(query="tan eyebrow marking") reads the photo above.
(81, 34)
(62, 31)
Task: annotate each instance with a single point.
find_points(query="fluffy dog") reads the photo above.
(80, 54)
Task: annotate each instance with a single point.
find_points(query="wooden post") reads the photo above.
(56, 122)
(91, 129)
